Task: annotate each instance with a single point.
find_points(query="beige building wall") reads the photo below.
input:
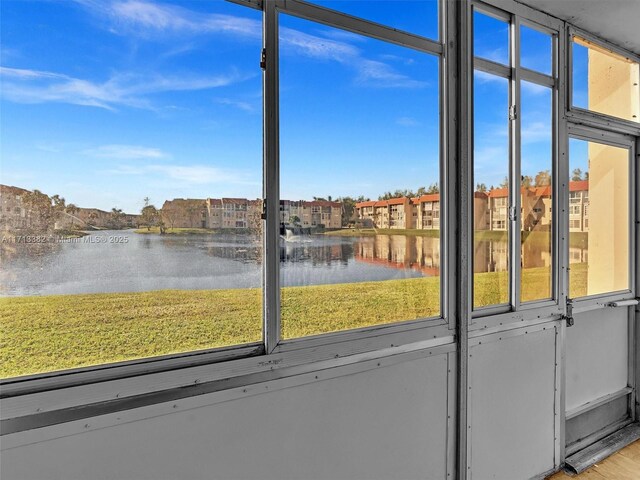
(612, 83)
(608, 218)
(612, 91)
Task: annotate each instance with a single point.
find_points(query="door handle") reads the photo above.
(624, 303)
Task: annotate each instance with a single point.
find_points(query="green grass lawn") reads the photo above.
(48, 333)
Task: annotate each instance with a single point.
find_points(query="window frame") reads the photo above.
(583, 115)
(515, 309)
(620, 140)
(257, 360)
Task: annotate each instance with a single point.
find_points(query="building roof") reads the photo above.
(397, 201)
(321, 203)
(368, 203)
(498, 192)
(579, 186)
(429, 197)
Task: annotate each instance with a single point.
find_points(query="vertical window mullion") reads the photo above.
(271, 180)
(515, 211)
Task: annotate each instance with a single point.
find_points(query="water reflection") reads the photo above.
(421, 254)
(151, 262)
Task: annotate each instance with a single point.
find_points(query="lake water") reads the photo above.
(123, 261)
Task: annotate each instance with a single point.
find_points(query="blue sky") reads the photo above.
(109, 101)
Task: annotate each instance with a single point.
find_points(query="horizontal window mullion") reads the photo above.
(494, 68)
(357, 25)
(537, 78)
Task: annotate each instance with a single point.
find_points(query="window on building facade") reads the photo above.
(602, 239)
(120, 165)
(603, 81)
(359, 137)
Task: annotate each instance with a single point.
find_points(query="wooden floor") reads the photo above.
(623, 465)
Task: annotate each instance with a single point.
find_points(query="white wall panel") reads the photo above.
(387, 423)
(596, 355)
(512, 400)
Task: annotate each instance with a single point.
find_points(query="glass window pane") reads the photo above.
(598, 218)
(490, 38)
(132, 158)
(605, 82)
(414, 16)
(359, 165)
(537, 191)
(535, 50)
(491, 197)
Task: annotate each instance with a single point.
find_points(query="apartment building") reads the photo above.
(579, 206)
(490, 210)
(184, 213)
(311, 213)
(13, 214)
(426, 212)
(395, 213)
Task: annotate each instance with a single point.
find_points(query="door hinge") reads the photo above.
(568, 317)
(512, 214)
(263, 215)
(513, 112)
(263, 59)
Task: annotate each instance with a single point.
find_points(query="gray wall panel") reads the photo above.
(387, 423)
(596, 355)
(512, 406)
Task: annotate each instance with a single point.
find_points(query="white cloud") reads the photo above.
(407, 122)
(245, 106)
(121, 89)
(535, 89)
(374, 73)
(297, 42)
(534, 132)
(141, 18)
(125, 152)
(186, 175)
(146, 18)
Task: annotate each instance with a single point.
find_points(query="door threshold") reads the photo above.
(580, 461)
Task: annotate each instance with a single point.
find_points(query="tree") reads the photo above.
(543, 178)
(116, 218)
(576, 175)
(481, 187)
(397, 194)
(149, 215)
(170, 214)
(433, 188)
(349, 208)
(294, 220)
(527, 181)
(505, 182)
